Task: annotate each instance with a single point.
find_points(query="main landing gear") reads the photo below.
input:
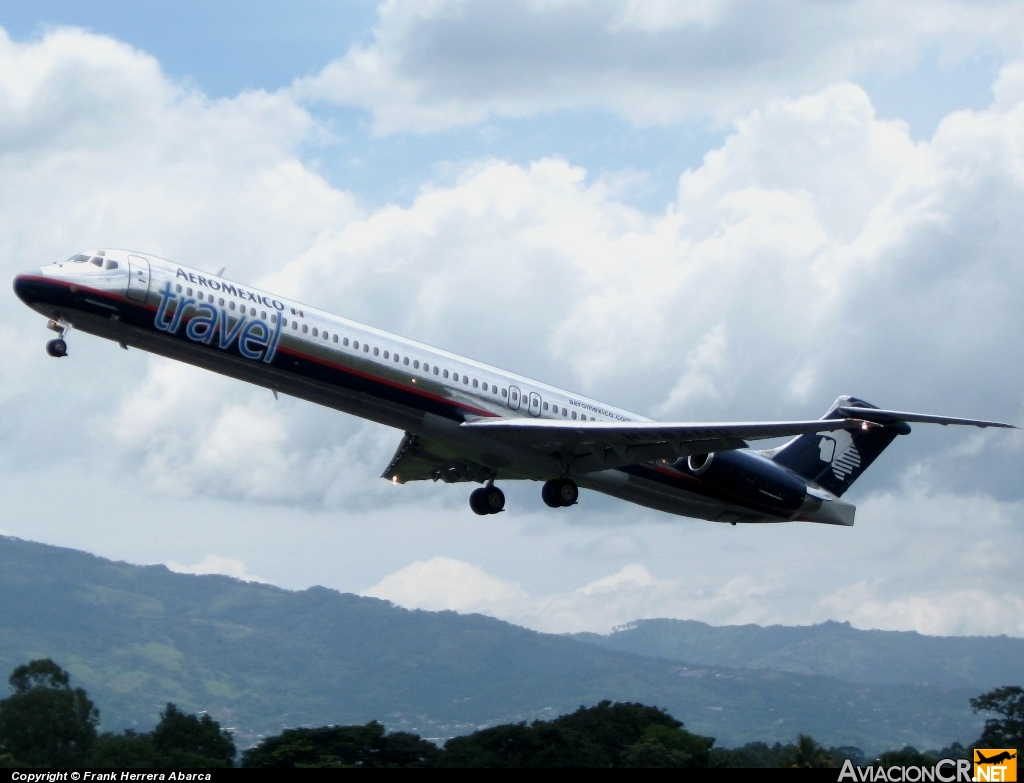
(558, 493)
(59, 347)
(487, 500)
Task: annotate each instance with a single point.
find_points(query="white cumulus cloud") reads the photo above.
(438, 63)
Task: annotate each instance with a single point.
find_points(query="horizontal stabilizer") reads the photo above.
(886, 417)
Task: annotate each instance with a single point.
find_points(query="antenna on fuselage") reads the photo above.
(221, 272)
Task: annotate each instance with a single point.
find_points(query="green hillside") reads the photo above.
(259, 658)
(830, 649)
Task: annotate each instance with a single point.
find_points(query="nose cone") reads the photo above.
(25, 283)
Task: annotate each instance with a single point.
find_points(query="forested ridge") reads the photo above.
(261, 658)
(46, 722)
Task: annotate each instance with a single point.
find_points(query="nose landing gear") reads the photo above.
(487, 500)
(58, 348)
(558, 493)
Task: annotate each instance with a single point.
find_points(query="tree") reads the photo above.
(120, 751)
(342, 746)
(806, 753)
(182, 740)
(1005, 732)
(605, 735)
(46, 722)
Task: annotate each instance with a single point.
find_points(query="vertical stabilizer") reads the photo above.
(835, 460)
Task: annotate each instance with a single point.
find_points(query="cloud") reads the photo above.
(818, 250)
(213, 564)
(440, 63)
(882, 576)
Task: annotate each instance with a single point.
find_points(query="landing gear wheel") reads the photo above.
(57, 348)
(476, 501)
(494, 500)
(559, 493)
(487, 500)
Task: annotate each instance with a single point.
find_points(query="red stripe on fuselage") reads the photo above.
(416, 390)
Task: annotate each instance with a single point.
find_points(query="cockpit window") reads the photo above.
(81, 258)
(97, 261)
(111, 264)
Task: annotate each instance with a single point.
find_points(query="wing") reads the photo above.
(618, 443)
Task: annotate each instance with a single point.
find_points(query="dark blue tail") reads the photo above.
(834, 460)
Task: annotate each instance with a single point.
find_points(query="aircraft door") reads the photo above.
(534, 404)
(513, 398)
(138, 278)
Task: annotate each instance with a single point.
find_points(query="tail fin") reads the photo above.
(835, 460)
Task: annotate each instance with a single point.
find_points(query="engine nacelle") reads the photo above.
(750, 479)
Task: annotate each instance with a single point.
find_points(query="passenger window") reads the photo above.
(220, 302)
(455, 377)
(345, 342)
(111, 264)
(355, 344)
(263, 315)
(387, 355)
(177, 288)
(396, 358)
(231, 306)
(405, 361)
(545, 406)
(188, 292)
(305, 328)
(416, 364)
(315, 332)
(426, 367)
(252, 311)
(574, 414)
(335, 338)
(326, 336)
(476, 383)
(376, 351)
(465, 379)
(435, 369)
(366, 347)
(565, 412)
(445, 373)
(295, 324)
(273, 318)
(504, 392)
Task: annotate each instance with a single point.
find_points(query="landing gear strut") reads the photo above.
(487, 500)
(558, 493)
(59, 347)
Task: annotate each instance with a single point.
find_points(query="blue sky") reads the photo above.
(696, 211)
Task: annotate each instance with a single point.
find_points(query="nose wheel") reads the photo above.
(58, 347)
(558, 493)
(487, 500)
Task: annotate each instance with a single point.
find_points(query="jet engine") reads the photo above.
(749, 478)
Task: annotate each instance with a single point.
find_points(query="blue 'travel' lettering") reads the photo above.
(252, 336)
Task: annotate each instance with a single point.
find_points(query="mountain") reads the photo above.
(260, 658)
(830, 649)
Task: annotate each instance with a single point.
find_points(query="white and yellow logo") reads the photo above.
(995, 764)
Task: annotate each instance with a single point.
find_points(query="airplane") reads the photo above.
(465, 421)
(1004, 756)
